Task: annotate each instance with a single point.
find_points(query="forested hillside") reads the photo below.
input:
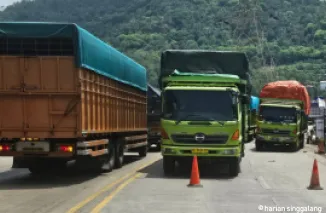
(284, 39)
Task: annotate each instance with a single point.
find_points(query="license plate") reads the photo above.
(39, 146)
(199, 151)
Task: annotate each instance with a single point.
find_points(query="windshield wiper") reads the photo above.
(197, 115)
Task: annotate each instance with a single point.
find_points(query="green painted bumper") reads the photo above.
(276, 139)
(175, 150)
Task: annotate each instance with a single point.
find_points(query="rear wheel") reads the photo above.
(168, 165)
(143, 151)
(158, 147)
(259, 145)
(109, 160)
(302, 141)
(119, 155)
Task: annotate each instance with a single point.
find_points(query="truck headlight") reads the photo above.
(229, 152)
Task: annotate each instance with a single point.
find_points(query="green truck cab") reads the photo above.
(283, 120)
(205, 107)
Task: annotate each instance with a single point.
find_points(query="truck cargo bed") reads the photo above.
(49, 97)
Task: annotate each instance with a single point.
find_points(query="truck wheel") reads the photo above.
(234, 168)
(259, 145)
(168, 165)
(119, 155)
(302, 141)
(109, 160)
(158, 147)
(295, 147)
(143, 151)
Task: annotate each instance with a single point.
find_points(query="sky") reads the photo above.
(7, 2)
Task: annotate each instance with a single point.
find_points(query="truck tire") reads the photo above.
(295, 147)
(143, 151)
(119, 155)
(250, 138)
(109, 160)
(302, 141)
(168, 165)
(234, 167)
(158, 147)
(259, 145)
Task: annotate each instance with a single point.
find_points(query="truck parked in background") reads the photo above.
(283, 115)
(205, 98)
(154, 106)
(254, 105)
(66, 95)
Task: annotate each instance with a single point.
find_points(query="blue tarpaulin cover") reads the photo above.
(90, 52)
(254, 104)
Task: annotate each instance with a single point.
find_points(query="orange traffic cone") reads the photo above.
(194, 179)
(314, 181)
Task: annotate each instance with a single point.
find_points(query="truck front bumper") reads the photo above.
(276, 139)
(175, 150)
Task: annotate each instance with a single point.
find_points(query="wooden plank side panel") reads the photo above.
(39, 97)
(11, 68)
(110, 106)
(50, 74)
(38, 116)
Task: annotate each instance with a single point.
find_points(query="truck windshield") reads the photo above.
(278, 114)
(194, 105)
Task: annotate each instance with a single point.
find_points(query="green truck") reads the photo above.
(283, 110)
(205, 104)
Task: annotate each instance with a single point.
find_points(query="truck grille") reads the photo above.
(276, 131)
(190, 139)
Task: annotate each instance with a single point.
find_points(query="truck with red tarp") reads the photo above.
(283, 115)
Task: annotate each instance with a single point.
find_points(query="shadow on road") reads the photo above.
(17, 179)
(217, 171)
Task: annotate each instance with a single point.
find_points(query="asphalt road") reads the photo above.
(270, 178)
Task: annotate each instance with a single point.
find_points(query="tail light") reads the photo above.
(164, 135)
(294, 131)
(258, 130)
(4, 148)
(236, 135)
(64, 148)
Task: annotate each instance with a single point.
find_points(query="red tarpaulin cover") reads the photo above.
(287, 90)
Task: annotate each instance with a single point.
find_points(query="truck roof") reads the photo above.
(90, 52)
(287, 90)
(197, 78)
(205, 62)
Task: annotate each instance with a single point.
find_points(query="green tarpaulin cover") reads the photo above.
(90, 52)
(204, 62)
